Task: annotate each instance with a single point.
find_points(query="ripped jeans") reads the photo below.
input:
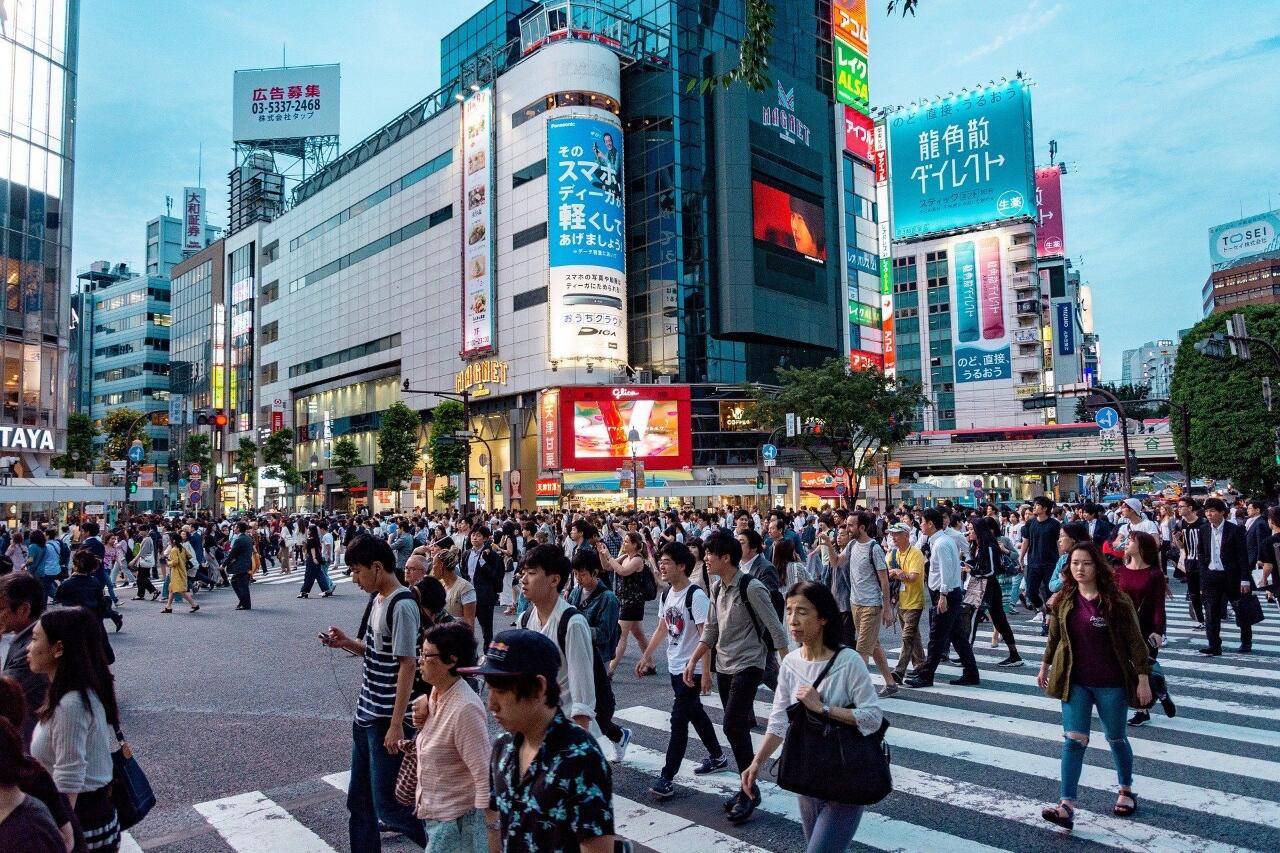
(1112, 705)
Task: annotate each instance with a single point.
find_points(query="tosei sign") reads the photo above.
(1244, 238)
(285, 103)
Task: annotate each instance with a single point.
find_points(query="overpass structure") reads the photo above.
(1064, 455)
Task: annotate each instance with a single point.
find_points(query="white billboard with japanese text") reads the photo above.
(586, 240)
(285, 103)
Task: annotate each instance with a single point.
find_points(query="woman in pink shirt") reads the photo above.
(452, 745)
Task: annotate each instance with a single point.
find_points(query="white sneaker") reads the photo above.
(995, 642)
(1038, 619)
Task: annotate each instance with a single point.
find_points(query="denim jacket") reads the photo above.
(602, 609)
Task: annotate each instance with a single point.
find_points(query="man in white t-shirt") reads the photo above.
(1134, 518)
(684, 613)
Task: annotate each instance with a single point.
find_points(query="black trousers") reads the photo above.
(485, 602)
(1215, 593)
(738, 696)
(687, 708)
(240, 583)
(144, 582)
(1194, 595)
(947, 629)
(993, 598)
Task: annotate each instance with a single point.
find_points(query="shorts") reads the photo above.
(631, 612)
(866, 621)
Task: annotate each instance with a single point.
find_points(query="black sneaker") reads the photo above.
(732, 803)
(1167, 703)
(662, 788)
(897, 677)
(711, 765)
(1139, 718)
(1011, 661)
(742, 812)
(1211, 652)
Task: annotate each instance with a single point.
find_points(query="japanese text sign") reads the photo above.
(851, 75)
(980, 333)
(1049, 236)
(477, 224)
(193, 217)
(285, 103)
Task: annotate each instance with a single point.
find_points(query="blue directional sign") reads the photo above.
(1107, 418)
(769, 451)
(137, 453)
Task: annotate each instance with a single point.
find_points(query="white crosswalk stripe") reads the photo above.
(252, 823)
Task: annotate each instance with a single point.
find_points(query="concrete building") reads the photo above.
(165, 241)
(1244, 260)
(1151, 364)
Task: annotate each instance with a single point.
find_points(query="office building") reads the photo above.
(165, 244)
(1150, 364)
(1244, 258)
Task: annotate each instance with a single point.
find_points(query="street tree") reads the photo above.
(277, 458)
(196, 449)
(80, 454)
(1133, 395)
(446, 452)
(847, 415)
(1232, 433)
(122, 427)
(346, 457)
(398, 446)
(247, 463)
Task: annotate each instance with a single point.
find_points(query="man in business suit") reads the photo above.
(1225, 577)
(239, 564)
(22, 600)
(1100, 529)
(1256, 532)
(487, 571)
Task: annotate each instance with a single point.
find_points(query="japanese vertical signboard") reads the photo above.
(859, 132)
(962, 161)
(1064, 327)
(285, 103)
(851, 81)
(849, 20)
(1049, 236)
(477, 224)
(586, 241)
(277, 414)
(980, 330)
(549, 429)
(193, 219)
(885, 246)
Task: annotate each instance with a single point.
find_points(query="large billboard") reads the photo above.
(980, 306)
(962, 161)
(789, 222)
(852, 85)
(285, 103)
(597, 422)
(849, 19)
(477, 224)
(1232, 242)
(586, 241)
(193, 218)
(1050, 241)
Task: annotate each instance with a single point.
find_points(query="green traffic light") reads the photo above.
(133, 488)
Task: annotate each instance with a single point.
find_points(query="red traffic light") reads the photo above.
(219, 419)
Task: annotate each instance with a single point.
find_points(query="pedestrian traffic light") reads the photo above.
(219, 419)
(759, 482)
(1132, 464)
(497, 484)
(202, 417)
(1277, 445)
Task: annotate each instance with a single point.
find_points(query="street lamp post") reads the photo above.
(633, 439)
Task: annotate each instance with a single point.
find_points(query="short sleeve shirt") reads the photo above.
(564, 797)
(682, 631)
(865, 564)
(1043, 538)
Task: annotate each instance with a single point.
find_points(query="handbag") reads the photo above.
(828, 760)
(1248, 610)
(131, 792)
(407, 777)
(975, 591)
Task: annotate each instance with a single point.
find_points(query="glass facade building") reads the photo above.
(38, 48)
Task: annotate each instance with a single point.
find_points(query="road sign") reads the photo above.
(1107, 418)
(979, 494)
(137, 453)
(769, 463)
(117, 465)
(182, 483)
(194, 485)
(769, 451)
(977, 484)
(838, 473)
(194, 469)
(194, 498)
(792, 424)
(840, 488)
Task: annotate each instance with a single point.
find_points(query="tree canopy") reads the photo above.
(446, 452)
(346, 456)
(1131, 394)
(277, 457)
(122, 427)
(80, 454)
(398, 445)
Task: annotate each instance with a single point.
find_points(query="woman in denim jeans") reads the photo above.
(1096, 657)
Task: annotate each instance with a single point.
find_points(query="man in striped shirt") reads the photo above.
(389, 645)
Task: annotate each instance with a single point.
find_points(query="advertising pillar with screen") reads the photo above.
(586, 241)
(789, 222)
(596, 424)
(477, 224)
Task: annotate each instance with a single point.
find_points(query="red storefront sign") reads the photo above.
(861, 359)
(549, 429)
(859, 135)
(548, 487)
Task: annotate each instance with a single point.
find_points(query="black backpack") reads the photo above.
(605, 701)
(419, 685)
(743, 583)
(64, 558)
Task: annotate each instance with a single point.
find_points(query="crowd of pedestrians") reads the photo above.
(797, 601)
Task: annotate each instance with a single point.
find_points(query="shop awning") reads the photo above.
(608, 481)
(54, 489)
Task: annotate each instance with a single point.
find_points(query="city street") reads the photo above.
(242, 721)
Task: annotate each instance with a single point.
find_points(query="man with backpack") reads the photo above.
(741, 625)
(585, 691)
(869, 596)
(755, 564)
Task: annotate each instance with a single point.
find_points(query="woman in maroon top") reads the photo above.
(1143, 580)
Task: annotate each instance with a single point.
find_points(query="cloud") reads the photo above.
(1028, 21)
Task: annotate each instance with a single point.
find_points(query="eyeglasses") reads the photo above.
(426, 655)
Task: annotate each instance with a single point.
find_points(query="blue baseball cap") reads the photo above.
(519, 651)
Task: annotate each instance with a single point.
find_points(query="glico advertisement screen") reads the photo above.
(599, 422)
(787, 221)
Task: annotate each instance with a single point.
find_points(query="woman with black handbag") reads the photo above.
(823, 687)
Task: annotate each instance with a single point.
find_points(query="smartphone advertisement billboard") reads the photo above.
(601, 424)
(586, 241)
(784, 220)
(962, 161)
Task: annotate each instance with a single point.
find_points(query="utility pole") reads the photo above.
(463, 397)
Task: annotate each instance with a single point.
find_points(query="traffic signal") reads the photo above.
(1132, 466)
(219, 419)
(1277, 445)
(1214, 346)
(497, 484)
(202, 417)
(131, 477)
(759, 482)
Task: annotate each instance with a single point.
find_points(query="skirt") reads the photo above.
(97, 816)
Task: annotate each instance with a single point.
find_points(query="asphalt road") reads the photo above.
(238, 717)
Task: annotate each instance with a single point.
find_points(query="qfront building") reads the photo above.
(595, 257)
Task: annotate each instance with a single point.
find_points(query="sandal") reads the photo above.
(1125, 811)
(1055, 815)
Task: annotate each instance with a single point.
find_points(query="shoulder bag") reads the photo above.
(131, 793)
(407, 777)
(1248, 610)
(833, 761)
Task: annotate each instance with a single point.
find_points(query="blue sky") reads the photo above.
(1166, 114)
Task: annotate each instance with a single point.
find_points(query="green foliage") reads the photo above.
(277, 458)
(122, 427)
(861, 412)
(448, 494)
(1129, 393)
(196, 449)
(398, 445)
(1232, 433)
(345, 457)
(247, 463)
(753, 53)
(446, 453)
(80, 435)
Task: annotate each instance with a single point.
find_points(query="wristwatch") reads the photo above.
(826, 710)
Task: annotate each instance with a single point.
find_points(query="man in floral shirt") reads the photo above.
(548, 781)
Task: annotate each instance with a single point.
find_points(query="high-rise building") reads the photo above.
(1151, 364)
(38, 50)
(1244, 260)
(165, 244)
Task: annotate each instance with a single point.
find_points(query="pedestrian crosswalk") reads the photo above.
(972, 767)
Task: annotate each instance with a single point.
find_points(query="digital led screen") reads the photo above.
(789, 222)
(596, 425)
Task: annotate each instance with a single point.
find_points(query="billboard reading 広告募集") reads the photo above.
(962, 161)
(285, 103)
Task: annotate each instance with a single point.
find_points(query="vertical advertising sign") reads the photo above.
(1049, 235)
(981, 335)
(849, 19)
(193, 219)
(885, 247)
(859, 135)
(962, 161)
(549, 430)
(585, 241)
(277, 414)
(1064, 322)
(477, 224)
(852, 85)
